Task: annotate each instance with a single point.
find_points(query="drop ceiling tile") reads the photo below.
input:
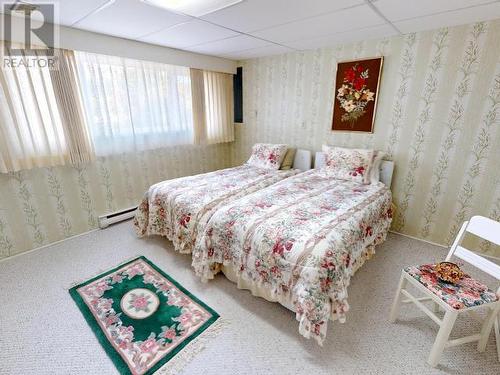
(70, 11)
(396, 10)
(67, 11)
(344, 20)
(236, 43)
(130, 19)
(270, 50)
(252, 15)
(453, 18)
(189, 34)
(343, 38)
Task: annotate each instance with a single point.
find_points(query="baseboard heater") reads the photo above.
(115, 217)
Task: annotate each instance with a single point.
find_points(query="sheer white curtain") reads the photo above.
(134, 105)
(212, 94)
(35, 127)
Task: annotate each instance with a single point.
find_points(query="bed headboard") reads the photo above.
(319, 160)
(386, 168)
(386, 171)
(302, 160)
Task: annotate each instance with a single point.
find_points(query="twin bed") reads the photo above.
(291, 236)
(179, 209)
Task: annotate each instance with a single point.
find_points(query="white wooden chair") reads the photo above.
(452, 301)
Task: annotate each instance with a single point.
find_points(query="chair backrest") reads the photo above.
(484, 228)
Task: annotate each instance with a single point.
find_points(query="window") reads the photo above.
(32, 133)
(134, 105)
(100, 105)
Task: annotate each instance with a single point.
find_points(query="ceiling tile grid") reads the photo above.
(255, 28)
(358, 17)
(129, 18)
(272, 49)
(396, 10)
(67, 11)
(253, 15)
(191, 33)
(232, 44)
(485, 12)
(372, 32)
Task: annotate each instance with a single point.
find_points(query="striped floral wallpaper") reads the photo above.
(44, 205)
(437, 117)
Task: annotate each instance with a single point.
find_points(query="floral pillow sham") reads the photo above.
(267, 155)
(349, 164)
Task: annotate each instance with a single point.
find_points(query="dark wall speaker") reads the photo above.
(238, 95)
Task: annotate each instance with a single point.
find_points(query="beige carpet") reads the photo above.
(42, 331)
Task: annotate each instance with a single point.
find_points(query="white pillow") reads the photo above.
(378, 156)
(349, 164)
(267, 155)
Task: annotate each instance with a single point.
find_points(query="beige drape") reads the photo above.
(212, 98)
(41, 121)
(67, 93)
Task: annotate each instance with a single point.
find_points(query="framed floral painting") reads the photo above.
(356, 92)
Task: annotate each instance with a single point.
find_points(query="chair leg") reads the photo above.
(397, 300)
(497, 337)
(435, 306)
(486, 328)
(442, 337)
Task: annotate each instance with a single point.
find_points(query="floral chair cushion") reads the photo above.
(348, 164)
(267, 155)
(466, 293)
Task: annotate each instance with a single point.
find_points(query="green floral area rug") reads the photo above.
(145, 320)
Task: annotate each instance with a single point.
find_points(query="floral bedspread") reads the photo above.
(303, 237)
(179, 208)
